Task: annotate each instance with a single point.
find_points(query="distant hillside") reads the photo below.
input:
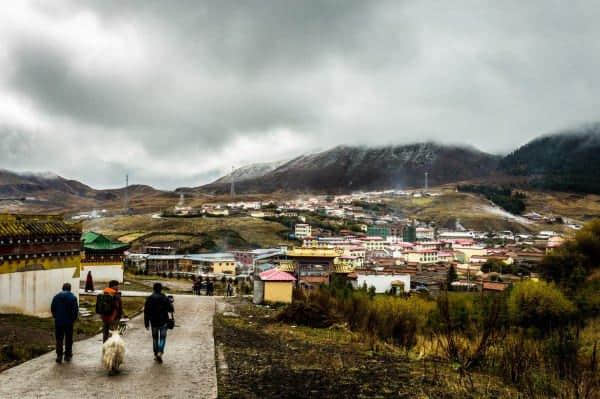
(47, 192)
(344, 169)
(249, 172)
(27, 184)
(566, 161)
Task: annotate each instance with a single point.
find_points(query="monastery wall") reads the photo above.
(31, 292)
(103, 272)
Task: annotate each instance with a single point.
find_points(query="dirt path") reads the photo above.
(188, 369)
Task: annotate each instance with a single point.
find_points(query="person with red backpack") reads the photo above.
(110, 308)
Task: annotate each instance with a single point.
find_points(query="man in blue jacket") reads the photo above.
(64, 310)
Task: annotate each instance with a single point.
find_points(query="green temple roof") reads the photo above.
(95, 241)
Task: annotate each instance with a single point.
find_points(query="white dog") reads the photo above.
(113, 352)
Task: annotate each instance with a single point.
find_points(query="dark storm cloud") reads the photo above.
(250, 36)
(159, 114)
(176, 92)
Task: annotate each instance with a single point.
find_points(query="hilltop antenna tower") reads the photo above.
(126, 196)
(426, 181)
(232, 191)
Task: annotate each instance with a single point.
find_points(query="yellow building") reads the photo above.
(224, 267)
(463, 253)
(422, 256)
(38, 254)
(277, 286)
(222, 263)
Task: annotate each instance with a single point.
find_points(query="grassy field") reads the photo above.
(224, 232)
(266, 359)
(475, 212)
(472, 211)
(25, 337)
(576, 206)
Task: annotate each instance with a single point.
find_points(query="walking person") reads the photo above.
(64, 311)
(229, 289)
(110, 307)
(209, 288)
(89, 282)
(156, 315)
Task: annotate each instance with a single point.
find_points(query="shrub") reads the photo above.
(393, 319)
(398, 320)
(307, 314)
(539, 305)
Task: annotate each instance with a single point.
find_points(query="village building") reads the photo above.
(274, 286)
(302, 230)
(463, 253)
(376, 230)
(250, 259)
(489, 286)
(214, 264)
(38, 254)
(422, 256)
(456, 235)
(409, 233)
(311, 262)
(383, 282)
(373, 243)
(103, 257)
(425, 233)
(156, 264)
(222, 263)
(159, 250)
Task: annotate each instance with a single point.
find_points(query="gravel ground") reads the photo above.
(188, 369)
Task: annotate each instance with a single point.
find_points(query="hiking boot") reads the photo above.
(159, 357)
(68, 358)
(59, 359)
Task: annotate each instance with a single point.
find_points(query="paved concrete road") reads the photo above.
(188, 369)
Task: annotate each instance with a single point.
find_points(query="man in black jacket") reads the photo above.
(156, 314)
(65, 311)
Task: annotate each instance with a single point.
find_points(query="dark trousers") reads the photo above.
(106, 327)
(159, 338)
(64, 334)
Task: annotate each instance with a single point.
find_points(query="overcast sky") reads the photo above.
(175, 93)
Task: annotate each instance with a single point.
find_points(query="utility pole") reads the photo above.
(426, 181)
(232, 191)
(126, 196)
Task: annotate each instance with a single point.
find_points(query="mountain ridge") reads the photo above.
(561, 161)
(346, 168)
(564, 161)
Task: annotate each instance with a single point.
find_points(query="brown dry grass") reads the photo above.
(446, 209)
(252, 230)
(471, 210)
(268, 359)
